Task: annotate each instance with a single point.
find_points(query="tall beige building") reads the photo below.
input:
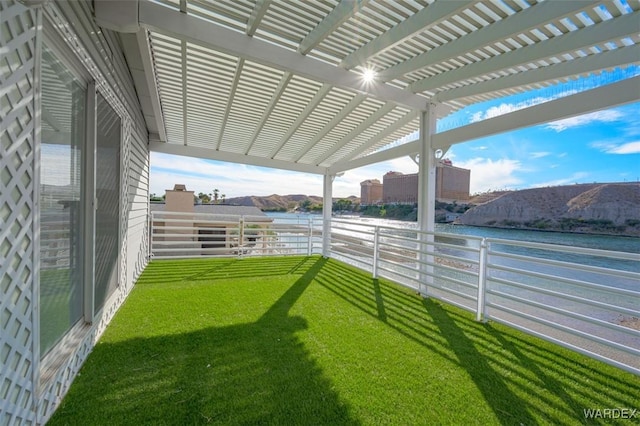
(452, 184)
(370, 192)
(400, 188)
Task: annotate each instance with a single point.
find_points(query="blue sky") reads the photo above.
(602, 146)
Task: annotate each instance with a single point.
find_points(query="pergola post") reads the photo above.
(327, 206)
(426, 195)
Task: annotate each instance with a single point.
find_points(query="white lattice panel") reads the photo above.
(109, 82)
(125, 153)
(17, 121)
(25, 396)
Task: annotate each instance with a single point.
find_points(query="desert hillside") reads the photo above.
(278, 202)
(602, 208)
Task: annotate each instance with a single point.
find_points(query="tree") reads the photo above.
(216, 194)
(204, 198)
(343, 204)
(305, 205)
(223, 197)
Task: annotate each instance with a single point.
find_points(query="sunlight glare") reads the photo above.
(368, 75)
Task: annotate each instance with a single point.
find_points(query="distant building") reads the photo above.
(206, 229)
(370, 192)
(452, 184)
(180, 200)
(399, 188)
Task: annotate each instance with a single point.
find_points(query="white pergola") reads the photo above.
(278, 83)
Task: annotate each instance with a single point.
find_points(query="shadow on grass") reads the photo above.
(509, 408)
(524, 380)
(257, 373)
(207, 269)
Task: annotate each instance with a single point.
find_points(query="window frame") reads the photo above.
(50, 361)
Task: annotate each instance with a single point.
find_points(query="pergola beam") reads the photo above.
(415, 24)
(142, 38)
(580, 66)
(277, 94)
(232, 95)
(302, 117)
(519, 23)
(620, 93)
(258, 12)
(211, 154)
(341, 13)
(337, 119)
(623, 92)
(168, 21)
(370, 121)
(408, 118)
(623, 26)
(403, 150)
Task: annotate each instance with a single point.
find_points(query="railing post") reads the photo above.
(482, 280)
(240, 236)
(150, 242)
(310, 237)
(376, 239)
(425, 272)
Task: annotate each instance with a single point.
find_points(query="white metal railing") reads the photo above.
(184, 235)
(585, 299)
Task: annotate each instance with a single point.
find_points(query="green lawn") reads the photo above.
(304, 340)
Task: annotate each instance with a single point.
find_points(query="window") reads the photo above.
(79, 163)
(61, 202)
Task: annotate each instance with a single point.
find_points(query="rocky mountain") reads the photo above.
(602, 208)
(278, 202)
(485, 197)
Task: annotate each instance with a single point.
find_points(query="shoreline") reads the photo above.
(557, 231)
(515, 228)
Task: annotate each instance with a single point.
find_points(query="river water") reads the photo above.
(601, 242)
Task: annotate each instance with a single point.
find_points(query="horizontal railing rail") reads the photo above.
(585, 299)
(185, 235)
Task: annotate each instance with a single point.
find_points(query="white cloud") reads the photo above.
(477, 116)
(577, 177)
(617, 147)
(233, 180)
(236, 180)
(488, 174)
(605, 116)
(540, 154)
(625, 148)
(505, 108)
